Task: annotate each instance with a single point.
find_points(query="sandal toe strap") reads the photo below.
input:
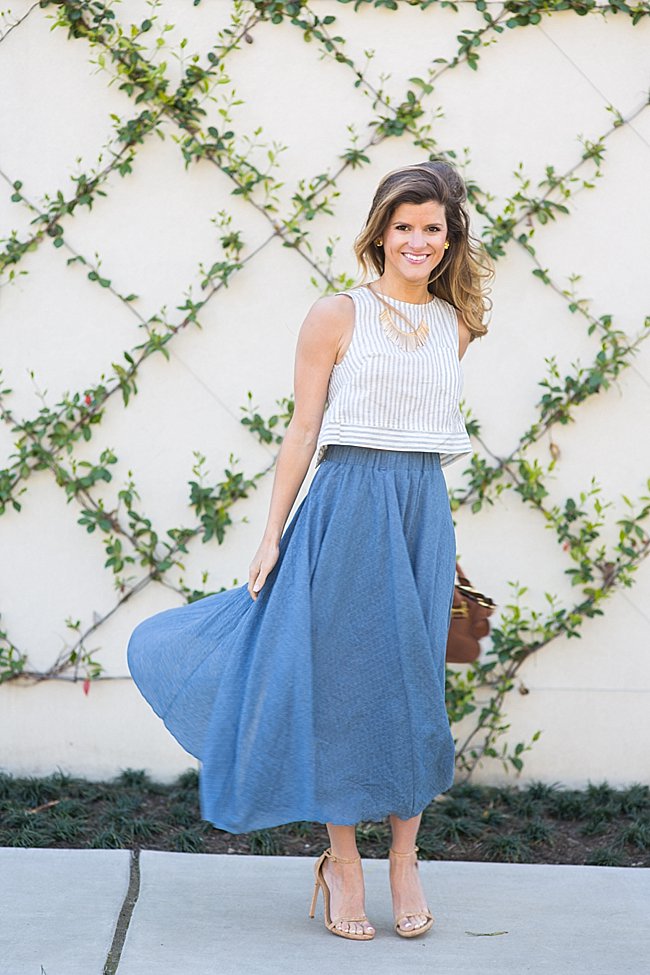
(408, 914)
(337, 920)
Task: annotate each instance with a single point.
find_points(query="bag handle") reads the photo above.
(461, 575)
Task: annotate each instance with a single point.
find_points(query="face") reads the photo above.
(414, 240)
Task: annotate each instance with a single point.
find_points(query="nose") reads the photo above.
(416, 239)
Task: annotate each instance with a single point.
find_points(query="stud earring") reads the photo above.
(379, 242)
(446, 244)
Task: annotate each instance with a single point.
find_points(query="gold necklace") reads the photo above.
(410, 340)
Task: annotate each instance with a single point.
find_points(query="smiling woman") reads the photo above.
(432, 273)
(410, 230)
(316, 691)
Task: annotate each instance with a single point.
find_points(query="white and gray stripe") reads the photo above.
(386, 397)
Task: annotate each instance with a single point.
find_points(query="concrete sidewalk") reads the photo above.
(90, 912)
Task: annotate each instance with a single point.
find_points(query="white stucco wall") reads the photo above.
(535, 90)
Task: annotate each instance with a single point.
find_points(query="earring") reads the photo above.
(379, 242)
(446, 244)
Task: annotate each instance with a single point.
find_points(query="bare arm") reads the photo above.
(319, 341)
(464, 336)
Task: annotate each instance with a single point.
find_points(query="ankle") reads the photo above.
(403, 855)
(341, 858)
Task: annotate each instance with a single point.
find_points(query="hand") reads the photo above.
(263, 561)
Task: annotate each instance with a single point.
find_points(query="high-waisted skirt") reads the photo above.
(324, 699)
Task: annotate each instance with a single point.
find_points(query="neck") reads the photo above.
(413, 291)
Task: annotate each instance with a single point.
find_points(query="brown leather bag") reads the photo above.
(469, 621)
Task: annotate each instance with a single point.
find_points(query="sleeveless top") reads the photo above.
(380, 395)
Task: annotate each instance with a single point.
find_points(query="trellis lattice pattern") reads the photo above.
(181, 182)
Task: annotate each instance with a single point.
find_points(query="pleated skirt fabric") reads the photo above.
(324, 699)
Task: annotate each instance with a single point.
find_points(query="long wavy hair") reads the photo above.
(463, 275)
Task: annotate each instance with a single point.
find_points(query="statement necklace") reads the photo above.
(409, 340)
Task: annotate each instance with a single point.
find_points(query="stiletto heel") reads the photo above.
(320, 882)
(314, 900)
(413, 932)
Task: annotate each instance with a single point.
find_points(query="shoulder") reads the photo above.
(329, 313)
(447, 307)
(327, 322)
(339, 304)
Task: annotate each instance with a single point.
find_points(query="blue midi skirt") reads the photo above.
(324, 699)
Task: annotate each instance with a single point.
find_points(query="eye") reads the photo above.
(404, 226)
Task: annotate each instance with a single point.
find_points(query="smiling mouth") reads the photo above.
(416, 258)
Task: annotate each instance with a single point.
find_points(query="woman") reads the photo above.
(315, 691)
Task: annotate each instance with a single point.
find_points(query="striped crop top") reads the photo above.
(380, 395)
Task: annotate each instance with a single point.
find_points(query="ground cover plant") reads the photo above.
(537, 823)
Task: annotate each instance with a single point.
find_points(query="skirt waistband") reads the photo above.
(400, 460)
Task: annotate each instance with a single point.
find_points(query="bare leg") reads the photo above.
(404, 876)
(345, 880)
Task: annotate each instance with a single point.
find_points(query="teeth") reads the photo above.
(416, 258)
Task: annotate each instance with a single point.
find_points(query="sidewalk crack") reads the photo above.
(124, 917)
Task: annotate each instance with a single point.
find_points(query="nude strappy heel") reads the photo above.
(321, 882)
(414, 932)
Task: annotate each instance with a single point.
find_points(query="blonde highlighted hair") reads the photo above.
(463, 275)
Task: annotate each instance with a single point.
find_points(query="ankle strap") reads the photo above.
(396, 854)
(330, 856)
